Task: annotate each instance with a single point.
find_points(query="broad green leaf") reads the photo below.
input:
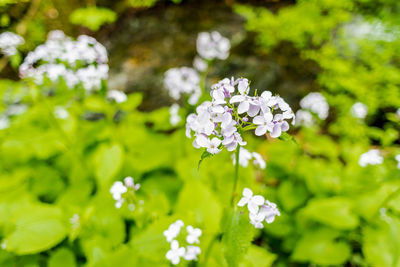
(108, 161)
(62, 257)
(336, 212)
(237, 237)
(381, 245)
(257, 256)
(320, 247)
(37, 228)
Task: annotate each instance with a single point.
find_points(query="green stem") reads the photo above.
(236, 175)
(208, 251)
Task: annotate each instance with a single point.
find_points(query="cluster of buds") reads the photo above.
(218, 123)
(260, 210)
(124, 191)
(190, 252)
(83, 61)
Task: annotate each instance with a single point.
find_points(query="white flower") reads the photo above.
(244, 157)
(398, 113)
(61, 113)
(117, 95)
(264, 123)
(359, 110)
(253, 202)
(191, 253)
(9, 42)
(212, 45)
(280, 125)
(193, 234)
(267, 212)
(258, 160)
(199, 64)
(304, 117)
(174, 114)
(175, 253)
(184, 80)
(173, 230)
(398, 161)
(315, 102)
(211, 145)
(372, 157)
(117, 189)
(130, 183)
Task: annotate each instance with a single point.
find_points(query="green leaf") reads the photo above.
(336, 212)
(320, 247)
(238, 234)
(287, 137)
(92, 17)
(108, 161)
(258, 256)
(381, 245)
(37, 228)
(205, 154)
(62, 257)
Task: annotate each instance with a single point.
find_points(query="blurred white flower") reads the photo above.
(191, 253)
(398, 161)
(60, 113)
(359, 110)
(304, 117)
(253, 202)
(173, 230)
(9, 42)
(117, 189)
(316, 103)
(117, 96)
(245, 156)
(184, 80)
(129, 183)
(83, 61)
(4, 122)
(199, 64)
(258, 160)
(212, 45)
(175, 253)
(174, 114)
(372, 157)
(193, 234)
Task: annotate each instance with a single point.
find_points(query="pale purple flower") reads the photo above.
(253, 202)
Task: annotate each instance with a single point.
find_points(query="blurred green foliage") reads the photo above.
(55, 205)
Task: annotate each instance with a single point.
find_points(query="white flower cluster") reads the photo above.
(181, 81)
(316, 103)
(245, 156)
(9, 42)
(118, 189)
(359, 110)
(190, 252)
(211, 45)
(372, 157)
(117, 96)
(83, 61)
(259, 209)
(217, 122)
